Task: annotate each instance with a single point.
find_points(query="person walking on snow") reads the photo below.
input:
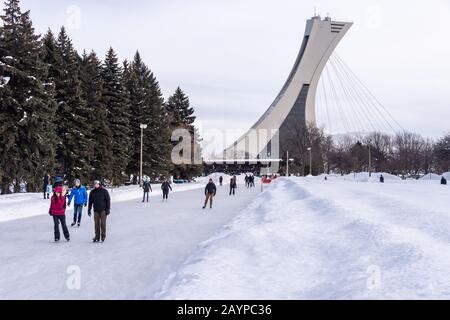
(381, 179)
(58, 212)
(100, 200)
(233, 186)
(165, 187)
(221, 180)
(45, 186)
(443, 181)
(210, 193)
(80, 195)
(147, 189)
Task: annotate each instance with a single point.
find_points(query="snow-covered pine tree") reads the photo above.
(179, 109)
(26, 105)
(147, 108)
(99, 135)
(71, 122)
(49, 56)
(181, 116)
(116, 100)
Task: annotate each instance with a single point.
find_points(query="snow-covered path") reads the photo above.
(313, 239)
(145, 243)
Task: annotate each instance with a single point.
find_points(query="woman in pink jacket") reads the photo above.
(58, 212)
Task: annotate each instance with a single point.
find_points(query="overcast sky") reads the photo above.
(232, 56)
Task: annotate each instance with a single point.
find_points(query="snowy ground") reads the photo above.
(306, 238)
(302, 238)
(145, 243)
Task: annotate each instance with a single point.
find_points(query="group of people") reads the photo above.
(98, 199)
(211, 189)
(165, 187)
(250, 181)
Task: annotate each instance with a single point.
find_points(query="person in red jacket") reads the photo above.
(58, 212)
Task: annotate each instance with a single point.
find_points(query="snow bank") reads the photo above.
(431, 176)
(447, 176)
(310, 239)
(24, 205)
(375, 177)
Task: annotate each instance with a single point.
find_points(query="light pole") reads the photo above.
(143, 126)
(287, 163)
(310, 160)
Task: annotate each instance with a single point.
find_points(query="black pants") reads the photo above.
(232, 191)
(165, 194)
(146, 193)
(57, 220)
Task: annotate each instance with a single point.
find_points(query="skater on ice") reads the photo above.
(252, 181)
(165, 187)
(80, 196)
(58, 212)
(147, 189)
(443, 181)
(210, 193)
(381, 179)
(45, 186)
(233, 186)
(99, 199)
(221, 180)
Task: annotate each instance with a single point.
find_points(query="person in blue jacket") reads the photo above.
(80, 196)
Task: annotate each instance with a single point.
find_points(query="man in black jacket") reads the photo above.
(99, 198)
(210, 193)
(46, 182)
(165, 187)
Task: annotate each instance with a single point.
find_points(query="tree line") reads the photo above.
(75, 115)
(405, 154)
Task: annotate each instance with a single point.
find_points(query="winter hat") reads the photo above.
(58, 179)
(58, 190)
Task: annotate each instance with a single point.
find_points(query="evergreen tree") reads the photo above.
(49, 56)
(99, 135)
(71, 122)
(179, 109)
(147, 108)
(26, 104)
(181, 116)
(116, 100)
